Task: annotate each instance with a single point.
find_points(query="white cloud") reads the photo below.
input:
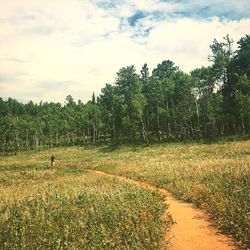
(186, 41)
(77, 43)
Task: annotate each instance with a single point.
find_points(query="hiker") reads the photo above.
(52, 159)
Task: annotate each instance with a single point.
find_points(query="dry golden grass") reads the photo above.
(215, 177)
(67, 207)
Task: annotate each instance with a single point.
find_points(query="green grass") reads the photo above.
(215, 176)
(106, 168)
(74, 209)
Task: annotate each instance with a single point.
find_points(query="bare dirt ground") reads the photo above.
(192, 228)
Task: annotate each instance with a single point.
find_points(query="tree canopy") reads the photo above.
(165, 105)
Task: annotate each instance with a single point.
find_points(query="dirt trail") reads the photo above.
(192, 228)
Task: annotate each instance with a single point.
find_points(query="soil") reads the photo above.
(192, 229)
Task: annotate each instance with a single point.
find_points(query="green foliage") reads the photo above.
(166, 105)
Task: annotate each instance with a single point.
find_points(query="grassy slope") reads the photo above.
(69, 208)
(215, 177)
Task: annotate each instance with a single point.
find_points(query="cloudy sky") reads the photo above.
(52, 48)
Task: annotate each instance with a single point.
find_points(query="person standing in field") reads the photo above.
(52, 159)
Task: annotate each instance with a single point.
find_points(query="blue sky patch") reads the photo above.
(107, 4)
(230, 9)
(137, 16)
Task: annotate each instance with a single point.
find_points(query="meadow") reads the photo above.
(215, 177)
(71, 207)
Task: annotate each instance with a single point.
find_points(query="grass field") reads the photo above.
(68, 208)
(215, 177)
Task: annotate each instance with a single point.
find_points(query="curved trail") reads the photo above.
(192, 228)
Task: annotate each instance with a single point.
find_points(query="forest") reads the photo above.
(163, 105)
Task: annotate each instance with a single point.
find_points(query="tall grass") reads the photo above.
(79, 211)
(214, 176)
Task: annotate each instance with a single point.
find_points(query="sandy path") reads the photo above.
(192, 228)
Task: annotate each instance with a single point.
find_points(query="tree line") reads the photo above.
(164, 105)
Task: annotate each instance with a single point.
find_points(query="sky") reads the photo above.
(52, 48)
